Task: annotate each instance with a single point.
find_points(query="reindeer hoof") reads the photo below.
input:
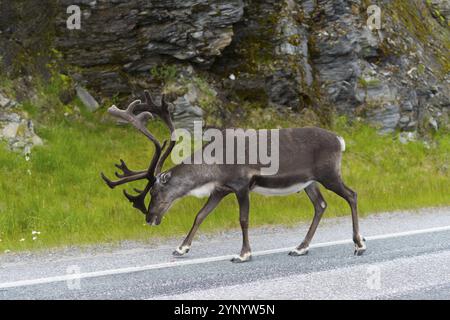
(299, 252)
(360, 248)
(181, 251)
(244, 258)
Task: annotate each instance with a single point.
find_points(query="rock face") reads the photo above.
(187, 111)
(305, 54)
(323, 52)
(313, 55)
(269, 56)
(17, 130)
(122, 37)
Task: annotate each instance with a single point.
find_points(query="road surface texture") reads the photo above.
(408, 257)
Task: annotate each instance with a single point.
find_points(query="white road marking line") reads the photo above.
(95, 274)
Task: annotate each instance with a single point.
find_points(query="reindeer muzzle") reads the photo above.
(154, 220)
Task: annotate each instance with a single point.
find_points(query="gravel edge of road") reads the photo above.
(171, 242)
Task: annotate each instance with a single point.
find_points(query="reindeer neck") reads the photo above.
(192, 177)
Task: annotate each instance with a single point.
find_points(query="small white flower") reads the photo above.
(34, 238)
(232, 77)
(35, 232)
(22, 240)
(27, 158)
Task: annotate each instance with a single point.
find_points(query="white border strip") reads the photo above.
(32, 282)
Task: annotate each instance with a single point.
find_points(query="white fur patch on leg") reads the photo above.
(244, 258)
(180, 251)
(299, 252)
(360, 250)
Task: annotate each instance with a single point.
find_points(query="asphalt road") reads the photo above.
(408, 257)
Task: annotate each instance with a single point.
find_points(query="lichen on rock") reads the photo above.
(15, 128)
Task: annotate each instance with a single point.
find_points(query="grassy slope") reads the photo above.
(59, 192)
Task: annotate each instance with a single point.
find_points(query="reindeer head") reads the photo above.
(157, 182)
(162, 196)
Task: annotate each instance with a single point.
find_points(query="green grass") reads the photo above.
(59, 193)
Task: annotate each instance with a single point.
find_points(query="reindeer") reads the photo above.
(308, 156)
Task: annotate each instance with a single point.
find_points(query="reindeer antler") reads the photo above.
(140, 122)
(163, 112)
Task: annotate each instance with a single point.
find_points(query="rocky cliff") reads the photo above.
(223, 57)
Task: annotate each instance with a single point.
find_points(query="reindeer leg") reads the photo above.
(338, 187)
(320, 205)
(244, 206)
(210, 205)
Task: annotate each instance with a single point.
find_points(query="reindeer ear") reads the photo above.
(165, 177)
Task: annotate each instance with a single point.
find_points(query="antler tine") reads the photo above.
(113, 184)
(165, 114)
(165, 155)
(166, 117)
(132, 106)
(161, 110)
(126, 171)
(139, 122)
(149, 100)
(149, 104)
(139, 200)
